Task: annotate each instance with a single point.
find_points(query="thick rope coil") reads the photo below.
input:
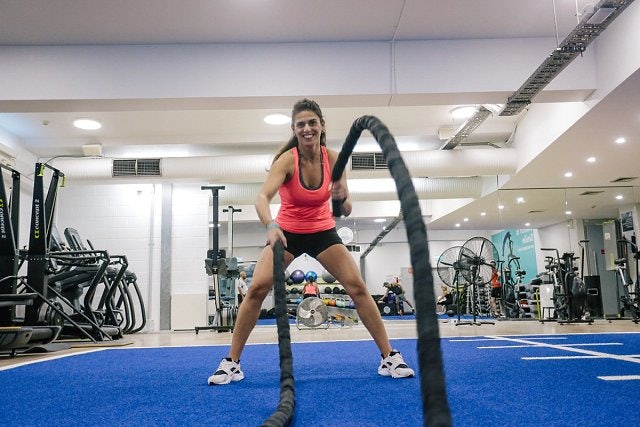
(284, 412)
(432, 382)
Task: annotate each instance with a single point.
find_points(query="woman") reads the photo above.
(496, 291)
(301, 173)
(445, 299)
(311, 288)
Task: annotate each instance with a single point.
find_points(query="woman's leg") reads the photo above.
(339, 263)
(249, 311)
(229, 368)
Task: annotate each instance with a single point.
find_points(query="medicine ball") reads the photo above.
(327, 277)
(336, 290)
(297, 276)
(327, 290)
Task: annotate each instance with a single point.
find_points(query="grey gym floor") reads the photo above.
(395, 328)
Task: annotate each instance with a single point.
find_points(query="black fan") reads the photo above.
(475, 258)
(450, 268)
(447, 265)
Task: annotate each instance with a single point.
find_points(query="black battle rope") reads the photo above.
(434, 396)
(284, 412)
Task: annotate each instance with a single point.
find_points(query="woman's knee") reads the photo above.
(258, 290)
(357, 289)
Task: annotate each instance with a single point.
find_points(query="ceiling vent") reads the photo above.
(534, 212)
(136, 167)
(591, 192)
(368, 161)
(624, 179)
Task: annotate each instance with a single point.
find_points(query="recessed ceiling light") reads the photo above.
(619, 197)
(568, 174)
(463, 112)
(567, 212)
(520, 200)
(500, 206)
(591, 159)
(526, 224)
(458, 224)
(87, 124)
(277, 119)
(380, 220)
(465, 219)
(621, 140)
(483, 213)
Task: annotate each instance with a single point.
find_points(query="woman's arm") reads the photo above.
(280, 171)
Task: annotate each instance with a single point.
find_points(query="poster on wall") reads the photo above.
(626, 220)
(518, 243)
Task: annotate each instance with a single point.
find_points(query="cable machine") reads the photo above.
(223, 271)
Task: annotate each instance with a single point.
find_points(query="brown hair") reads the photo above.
(300, 106)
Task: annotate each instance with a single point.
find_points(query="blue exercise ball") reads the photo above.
(311, 276)
(297, 276)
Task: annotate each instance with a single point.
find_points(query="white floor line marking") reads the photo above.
(573, 349)
(48, 359)
(593, 344)
(506, 346)
(570, 357)
(620, 377)
(493, 339)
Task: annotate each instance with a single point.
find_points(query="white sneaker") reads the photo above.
(227, 371)
(394, 366)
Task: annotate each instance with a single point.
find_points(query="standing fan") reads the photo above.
(447, 266)
(450, 269)
(475, 258)
(312, 312)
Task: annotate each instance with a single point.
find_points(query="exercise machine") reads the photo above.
(630, 297)
(512, 279)
(569, 290)
(15, 335)
(223, 271)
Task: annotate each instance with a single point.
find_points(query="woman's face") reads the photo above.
(307, 127)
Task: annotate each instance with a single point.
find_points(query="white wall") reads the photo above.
(126, 218)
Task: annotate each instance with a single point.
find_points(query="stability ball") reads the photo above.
(297, 276)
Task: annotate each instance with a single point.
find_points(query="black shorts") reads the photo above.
(311, 244)
(496, 292)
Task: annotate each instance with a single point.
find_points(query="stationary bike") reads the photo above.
(512, 288)
(569, 290)
(630, 298)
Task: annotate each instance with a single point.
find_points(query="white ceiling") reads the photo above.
(189, 127)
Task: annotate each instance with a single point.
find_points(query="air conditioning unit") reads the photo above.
(446, 132)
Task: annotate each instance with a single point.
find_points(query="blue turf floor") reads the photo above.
(496, 381)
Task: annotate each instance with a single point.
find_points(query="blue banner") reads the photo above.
(517, 243)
